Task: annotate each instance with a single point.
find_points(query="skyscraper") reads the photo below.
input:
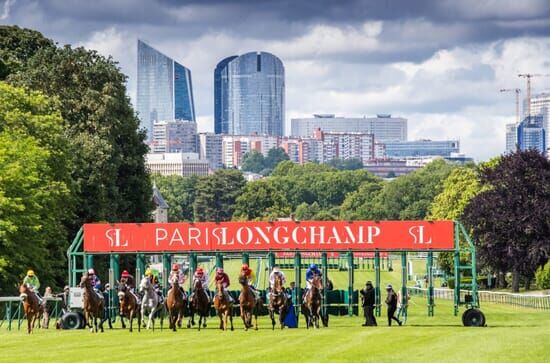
(249, 95)
(164, 89)
(531, 134)
(540, 106)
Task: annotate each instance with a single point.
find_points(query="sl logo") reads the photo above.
(417, 232)
(113, 235)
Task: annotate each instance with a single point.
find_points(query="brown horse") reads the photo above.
(278, 302)
(31, 306)
(223, 306)
(93, 304)
(128, 306)
(249, 304)
(175, 304)
(311, 307)
(199, 305)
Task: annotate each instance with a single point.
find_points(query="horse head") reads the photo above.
(85, 281)
(243, 280)
(23, 292)
(122, 289)
(145, 284)
(197, 285)
(278, 283)
(317, 282)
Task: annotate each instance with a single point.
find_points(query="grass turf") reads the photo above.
(512, 334)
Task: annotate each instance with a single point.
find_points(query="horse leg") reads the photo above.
(272, 316)
(243, 316)
(205, 314)
(221, 319)
(231, 318)
(29, 326)
(122, 321)
(255, 318)
(191, 313)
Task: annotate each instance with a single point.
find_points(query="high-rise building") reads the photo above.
(234, 147)
(210, 148)
(511, 137)
(164, 88)
(174, 136)
(383, 127)
(531, 134)
(404, 149)
(540, 106)
(348, 145)
(249, 92)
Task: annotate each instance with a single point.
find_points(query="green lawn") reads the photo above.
(512, 334)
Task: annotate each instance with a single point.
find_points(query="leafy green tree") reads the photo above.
(179, 192)
(274, 157)
(261, 201)
(543, 277)
(289, 168)
(509, 219)
(112, 182)
(216, 195)
(359, 205)
(253, 162)
(307, 212)
(35, 188)
(346, 164)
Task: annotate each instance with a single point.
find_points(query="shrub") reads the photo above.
(543, 276)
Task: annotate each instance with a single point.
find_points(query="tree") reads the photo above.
(307, 212)
(179, 192)
(509, 220)
(458, 190)
(261, 201)
(35, 188)
(543, 277)
(216, 195)
(111, 180)
(359, 204)
(253, 162)
(274, 157)
(346, 164)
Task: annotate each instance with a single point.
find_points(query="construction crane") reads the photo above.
(528, 76)
(517, 91)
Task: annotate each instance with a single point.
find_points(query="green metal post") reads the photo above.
(114, 273)
(140, 265)
(89, 262)
(390, 263)
(457, 270)
(297, 278)
(350, 283)
(219, 260)
(166, 268)
(404, 279)
(246, 258)
(377, 299)
(472, 251)
(192, 268)
(324, 269)
(429, 273)
(270, 261)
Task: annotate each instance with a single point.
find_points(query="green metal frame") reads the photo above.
(79, 261)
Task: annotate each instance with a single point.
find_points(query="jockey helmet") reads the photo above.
(175, 267)
(245, 267)
(313, 266)
(219, 270)
(125, 274)
(148, 272)
(30, 273)
(389, 287)
(199, 270)
(91, 271)
(276, 269)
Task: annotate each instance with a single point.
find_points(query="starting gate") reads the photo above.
(287, 238)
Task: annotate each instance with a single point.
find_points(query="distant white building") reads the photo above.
(383, 127)
(175, 136)
(183, 164)
(210, 148)
(234, 147)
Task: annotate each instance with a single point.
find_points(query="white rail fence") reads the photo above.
(534, 301)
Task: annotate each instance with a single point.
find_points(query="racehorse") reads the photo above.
(199, 305)
(129, 306)
(150, 304)
(278, 302)
(249, 304)
(311, 307)
(31, 306)
(175, 303)
(223, 306)
(93, 304)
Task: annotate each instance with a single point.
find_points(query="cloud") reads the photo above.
(6, 9)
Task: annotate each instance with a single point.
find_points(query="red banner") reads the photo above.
(269, 236)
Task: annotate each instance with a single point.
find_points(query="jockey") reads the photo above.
(126, 278)
(224, 278)
(201, 276)
(94, 279)
(251, 277)
(311, 272)
(32, 282)
(177, 275)
(154, 280)
(276, 272)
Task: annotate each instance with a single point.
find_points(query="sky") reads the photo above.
(440, 64)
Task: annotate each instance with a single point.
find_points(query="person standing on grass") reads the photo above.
(369, 302)
(391, 302)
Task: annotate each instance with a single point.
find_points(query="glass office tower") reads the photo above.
(249, 95)
(164, 89)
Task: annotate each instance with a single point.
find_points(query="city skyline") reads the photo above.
(354, 59)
